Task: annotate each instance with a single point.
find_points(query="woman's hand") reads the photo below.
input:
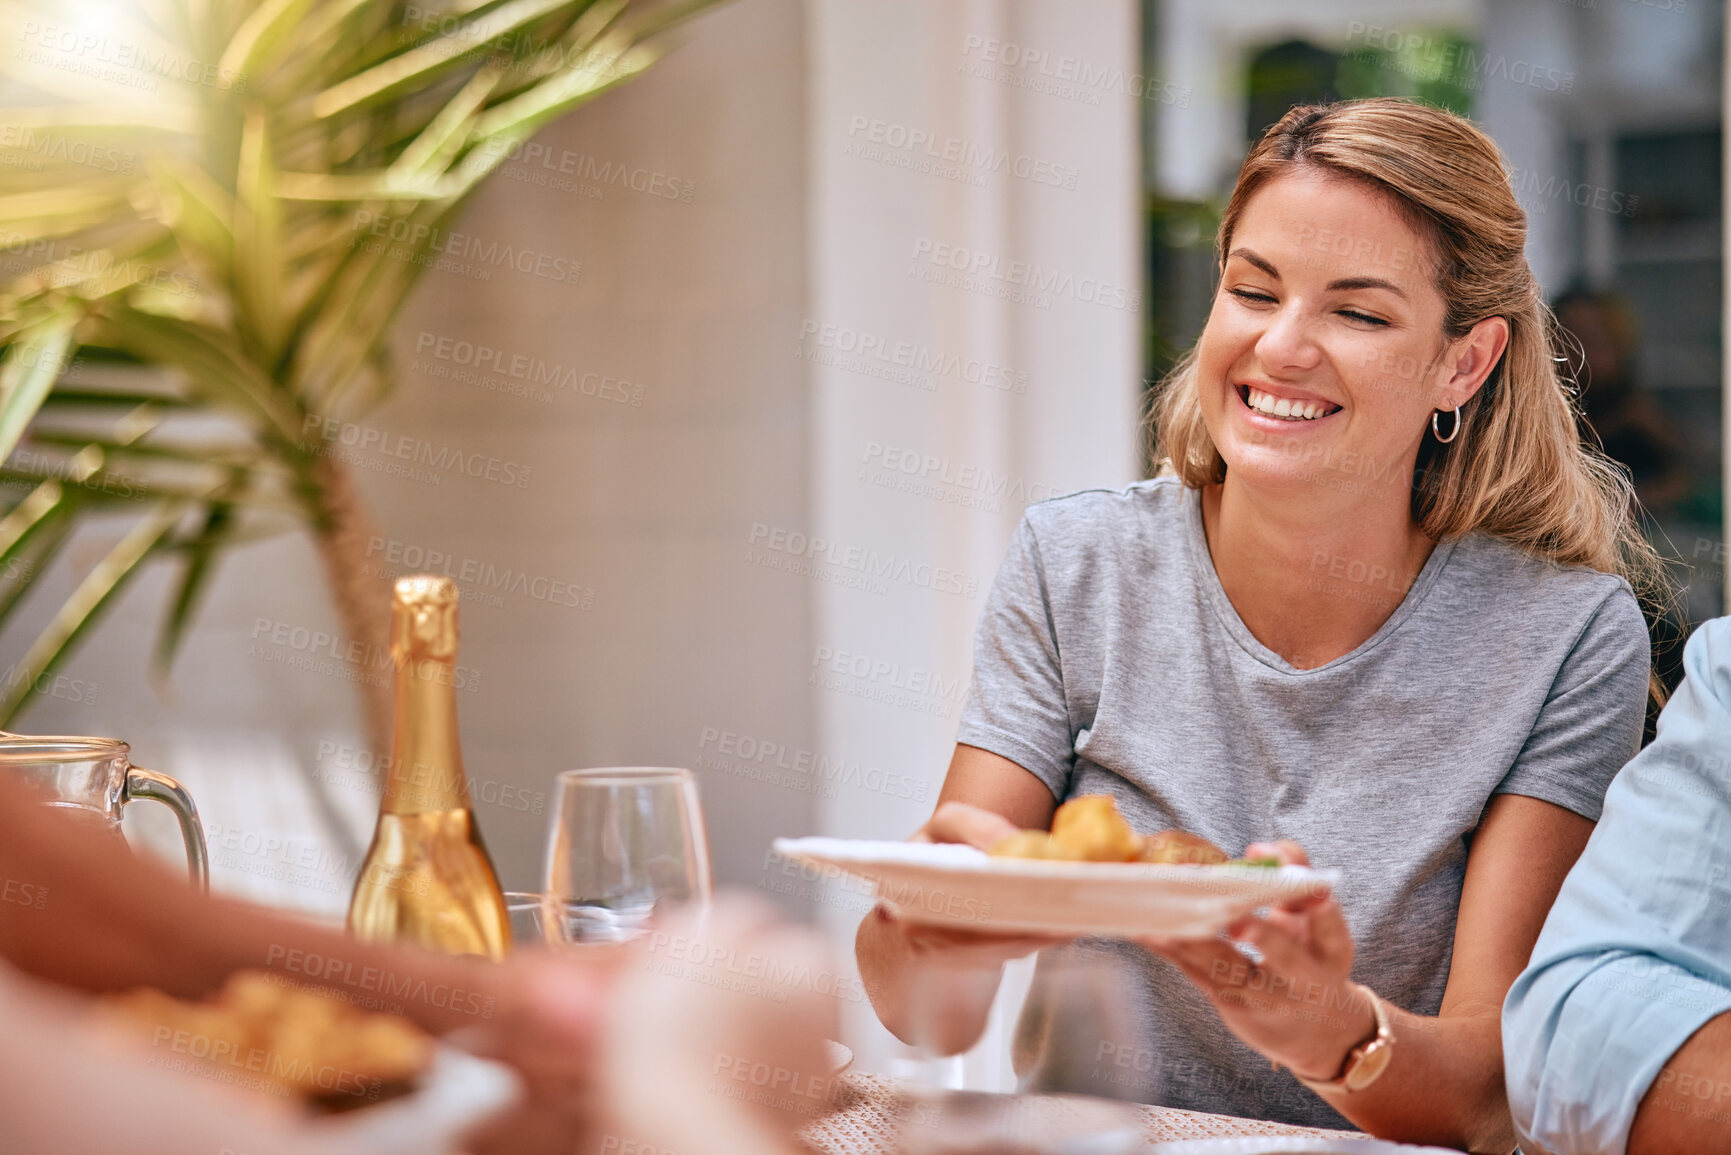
(964, 946)
(1298, 1006)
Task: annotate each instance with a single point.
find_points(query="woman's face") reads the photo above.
(1324, 355)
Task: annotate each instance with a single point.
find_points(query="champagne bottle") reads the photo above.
(427, 879)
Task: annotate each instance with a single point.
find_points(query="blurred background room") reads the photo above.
(724, 454)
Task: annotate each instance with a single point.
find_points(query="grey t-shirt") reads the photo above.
(1110, 661)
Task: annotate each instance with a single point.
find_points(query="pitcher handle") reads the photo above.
(142, 783)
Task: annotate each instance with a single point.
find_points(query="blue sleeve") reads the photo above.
(1632, 959)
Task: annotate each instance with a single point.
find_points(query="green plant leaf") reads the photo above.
(28, 374)
(30, 556)
(197, 567)
(199, 212)
(212, 360)
(258, 242)
(94, 594)
(29, 515)
(265, 32)
(427, 62)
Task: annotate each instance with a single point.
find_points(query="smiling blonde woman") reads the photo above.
(1379, 613)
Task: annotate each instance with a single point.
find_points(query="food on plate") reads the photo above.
(1171, 846)
(274, 1034)
(1090, 829)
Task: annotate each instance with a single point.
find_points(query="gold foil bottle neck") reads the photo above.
(424, 618)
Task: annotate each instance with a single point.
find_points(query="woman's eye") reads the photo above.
(1355, 315)
(1251, 295)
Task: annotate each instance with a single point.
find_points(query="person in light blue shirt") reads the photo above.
(1616, 1037)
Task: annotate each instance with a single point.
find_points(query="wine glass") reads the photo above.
(624, 841)
(1076, 1021)
(532, 919)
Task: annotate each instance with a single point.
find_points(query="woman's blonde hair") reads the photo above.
(1519, 469)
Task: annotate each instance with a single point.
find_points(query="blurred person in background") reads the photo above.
(1618, 1034)
(603, 1043)
(1383, 612)
(1601, 341)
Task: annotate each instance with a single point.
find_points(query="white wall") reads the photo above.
(991, 146)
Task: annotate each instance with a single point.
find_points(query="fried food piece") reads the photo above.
(1176, 846)
(1024, 844)
(1090, 829)
(267, 1031)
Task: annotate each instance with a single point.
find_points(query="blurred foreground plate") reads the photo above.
(946, 884)
(1276, 1145)
(458, 1092)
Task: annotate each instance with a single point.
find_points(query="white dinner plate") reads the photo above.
(457, 1092)
(1277, 1145)
(945, 884)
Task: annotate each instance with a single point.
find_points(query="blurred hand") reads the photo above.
(1298, 1006)
(715, 1034)
(548, 1025)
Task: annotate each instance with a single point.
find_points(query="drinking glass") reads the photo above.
(624, 841)
(531, 920)
(95, 776)
(1077, 1022)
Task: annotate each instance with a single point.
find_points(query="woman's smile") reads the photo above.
(1284, 407)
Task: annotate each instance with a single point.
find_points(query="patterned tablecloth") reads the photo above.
(865, 1121)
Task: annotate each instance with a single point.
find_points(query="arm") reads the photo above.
(96, 918)
(1444, 1080)
(1688, 1107)
(985, 798)
(1619, 1020)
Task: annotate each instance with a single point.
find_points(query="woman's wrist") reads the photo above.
(1355, 1027)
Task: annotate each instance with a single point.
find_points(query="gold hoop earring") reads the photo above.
(1453, 433)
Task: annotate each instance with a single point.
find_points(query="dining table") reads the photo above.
(867, 1114)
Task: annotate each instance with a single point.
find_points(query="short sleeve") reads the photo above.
(1591, 722)
(1016, 706)
(1632, 958)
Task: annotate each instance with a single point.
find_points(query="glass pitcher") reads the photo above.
(94, 775)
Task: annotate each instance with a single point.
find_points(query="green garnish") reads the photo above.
(1266, 860)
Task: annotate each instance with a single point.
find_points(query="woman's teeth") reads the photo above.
(1284, 407)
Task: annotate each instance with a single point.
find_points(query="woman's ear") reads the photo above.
(1471, 359)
